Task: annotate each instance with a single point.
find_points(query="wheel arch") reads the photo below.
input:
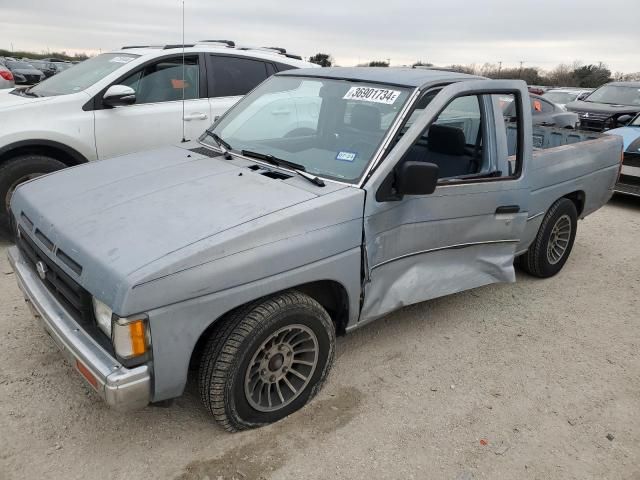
(578, 198)
(331, 294)
(59, 151)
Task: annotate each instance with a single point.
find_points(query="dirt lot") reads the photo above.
(507, 381)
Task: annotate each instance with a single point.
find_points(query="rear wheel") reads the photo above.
(553, 244)
(266, 361)
(19, 170)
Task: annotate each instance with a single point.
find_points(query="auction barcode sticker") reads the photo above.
(370, 94)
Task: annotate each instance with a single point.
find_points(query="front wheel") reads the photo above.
(551, 248)
(266, 361)
(19, 170)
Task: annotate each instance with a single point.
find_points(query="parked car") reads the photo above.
(92, 110)
(611, 106)
(537, 89)
(62, 66)
(6, 78)
(562, 96)
(547, 113)
(629, 181)
(55, 60)
(48, 68)
(24, 73)
(322, 201)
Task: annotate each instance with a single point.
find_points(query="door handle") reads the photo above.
(281, 112)
(195, 116)
(508, 209)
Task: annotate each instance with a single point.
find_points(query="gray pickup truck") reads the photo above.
(324, 200)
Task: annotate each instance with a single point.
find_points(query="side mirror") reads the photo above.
(624, 119)
(118, 96)
(416, 178)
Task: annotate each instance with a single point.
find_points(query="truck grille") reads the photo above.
(593, 121)
(75, 299)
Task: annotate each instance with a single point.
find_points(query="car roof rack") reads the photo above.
(228, 43)
(186, 45)
(127, 47)
(277, 49)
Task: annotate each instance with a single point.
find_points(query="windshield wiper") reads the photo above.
(25, 92)
(279, 162)
(222, 145)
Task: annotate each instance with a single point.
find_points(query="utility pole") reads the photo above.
(520, 74)
(499, 67)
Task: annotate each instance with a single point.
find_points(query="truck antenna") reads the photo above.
(184, 139)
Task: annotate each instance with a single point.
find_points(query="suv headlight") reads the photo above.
(103, 316)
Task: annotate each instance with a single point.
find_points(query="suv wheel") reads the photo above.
(19, 170)
(266, 361)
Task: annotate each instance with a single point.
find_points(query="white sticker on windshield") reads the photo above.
(121, 59)
(346, 156)
(370, 94)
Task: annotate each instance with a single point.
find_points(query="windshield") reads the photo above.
(635, 122)
(616, 95)
(330, 127)
(82, 75)
(561, 98)
(24, 65)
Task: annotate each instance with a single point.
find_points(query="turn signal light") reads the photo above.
(130, 337)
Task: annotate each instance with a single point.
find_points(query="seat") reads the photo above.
(447, 148)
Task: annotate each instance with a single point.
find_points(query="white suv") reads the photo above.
(125, 101)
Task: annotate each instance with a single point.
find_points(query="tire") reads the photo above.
(238, 379)
(547, 256)
(18, 170)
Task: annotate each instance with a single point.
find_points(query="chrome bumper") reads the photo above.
(629, 181)
(119, 387)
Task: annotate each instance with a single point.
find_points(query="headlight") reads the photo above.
(103, 316)
(130, 336)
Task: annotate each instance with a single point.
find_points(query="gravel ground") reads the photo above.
(539, 380)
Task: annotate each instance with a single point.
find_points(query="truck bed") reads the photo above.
(565, 162)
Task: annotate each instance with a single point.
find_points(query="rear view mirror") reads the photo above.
(118, 96)
(416, 178)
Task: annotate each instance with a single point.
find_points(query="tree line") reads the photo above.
(566, 75)
(36, 56)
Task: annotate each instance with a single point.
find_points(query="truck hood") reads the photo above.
(580, 106)
(628, 134)
(137, 217)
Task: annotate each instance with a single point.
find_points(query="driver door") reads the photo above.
(465, 234)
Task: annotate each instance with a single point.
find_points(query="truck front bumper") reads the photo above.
(120, 387)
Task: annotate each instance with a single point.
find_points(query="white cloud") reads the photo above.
(541, 33)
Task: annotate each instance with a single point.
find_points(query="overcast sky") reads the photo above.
(541, 33)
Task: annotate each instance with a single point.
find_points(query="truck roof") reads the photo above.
(400, 76)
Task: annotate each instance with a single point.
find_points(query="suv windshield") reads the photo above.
(330, 127)
(82, 75)
(616, 95)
